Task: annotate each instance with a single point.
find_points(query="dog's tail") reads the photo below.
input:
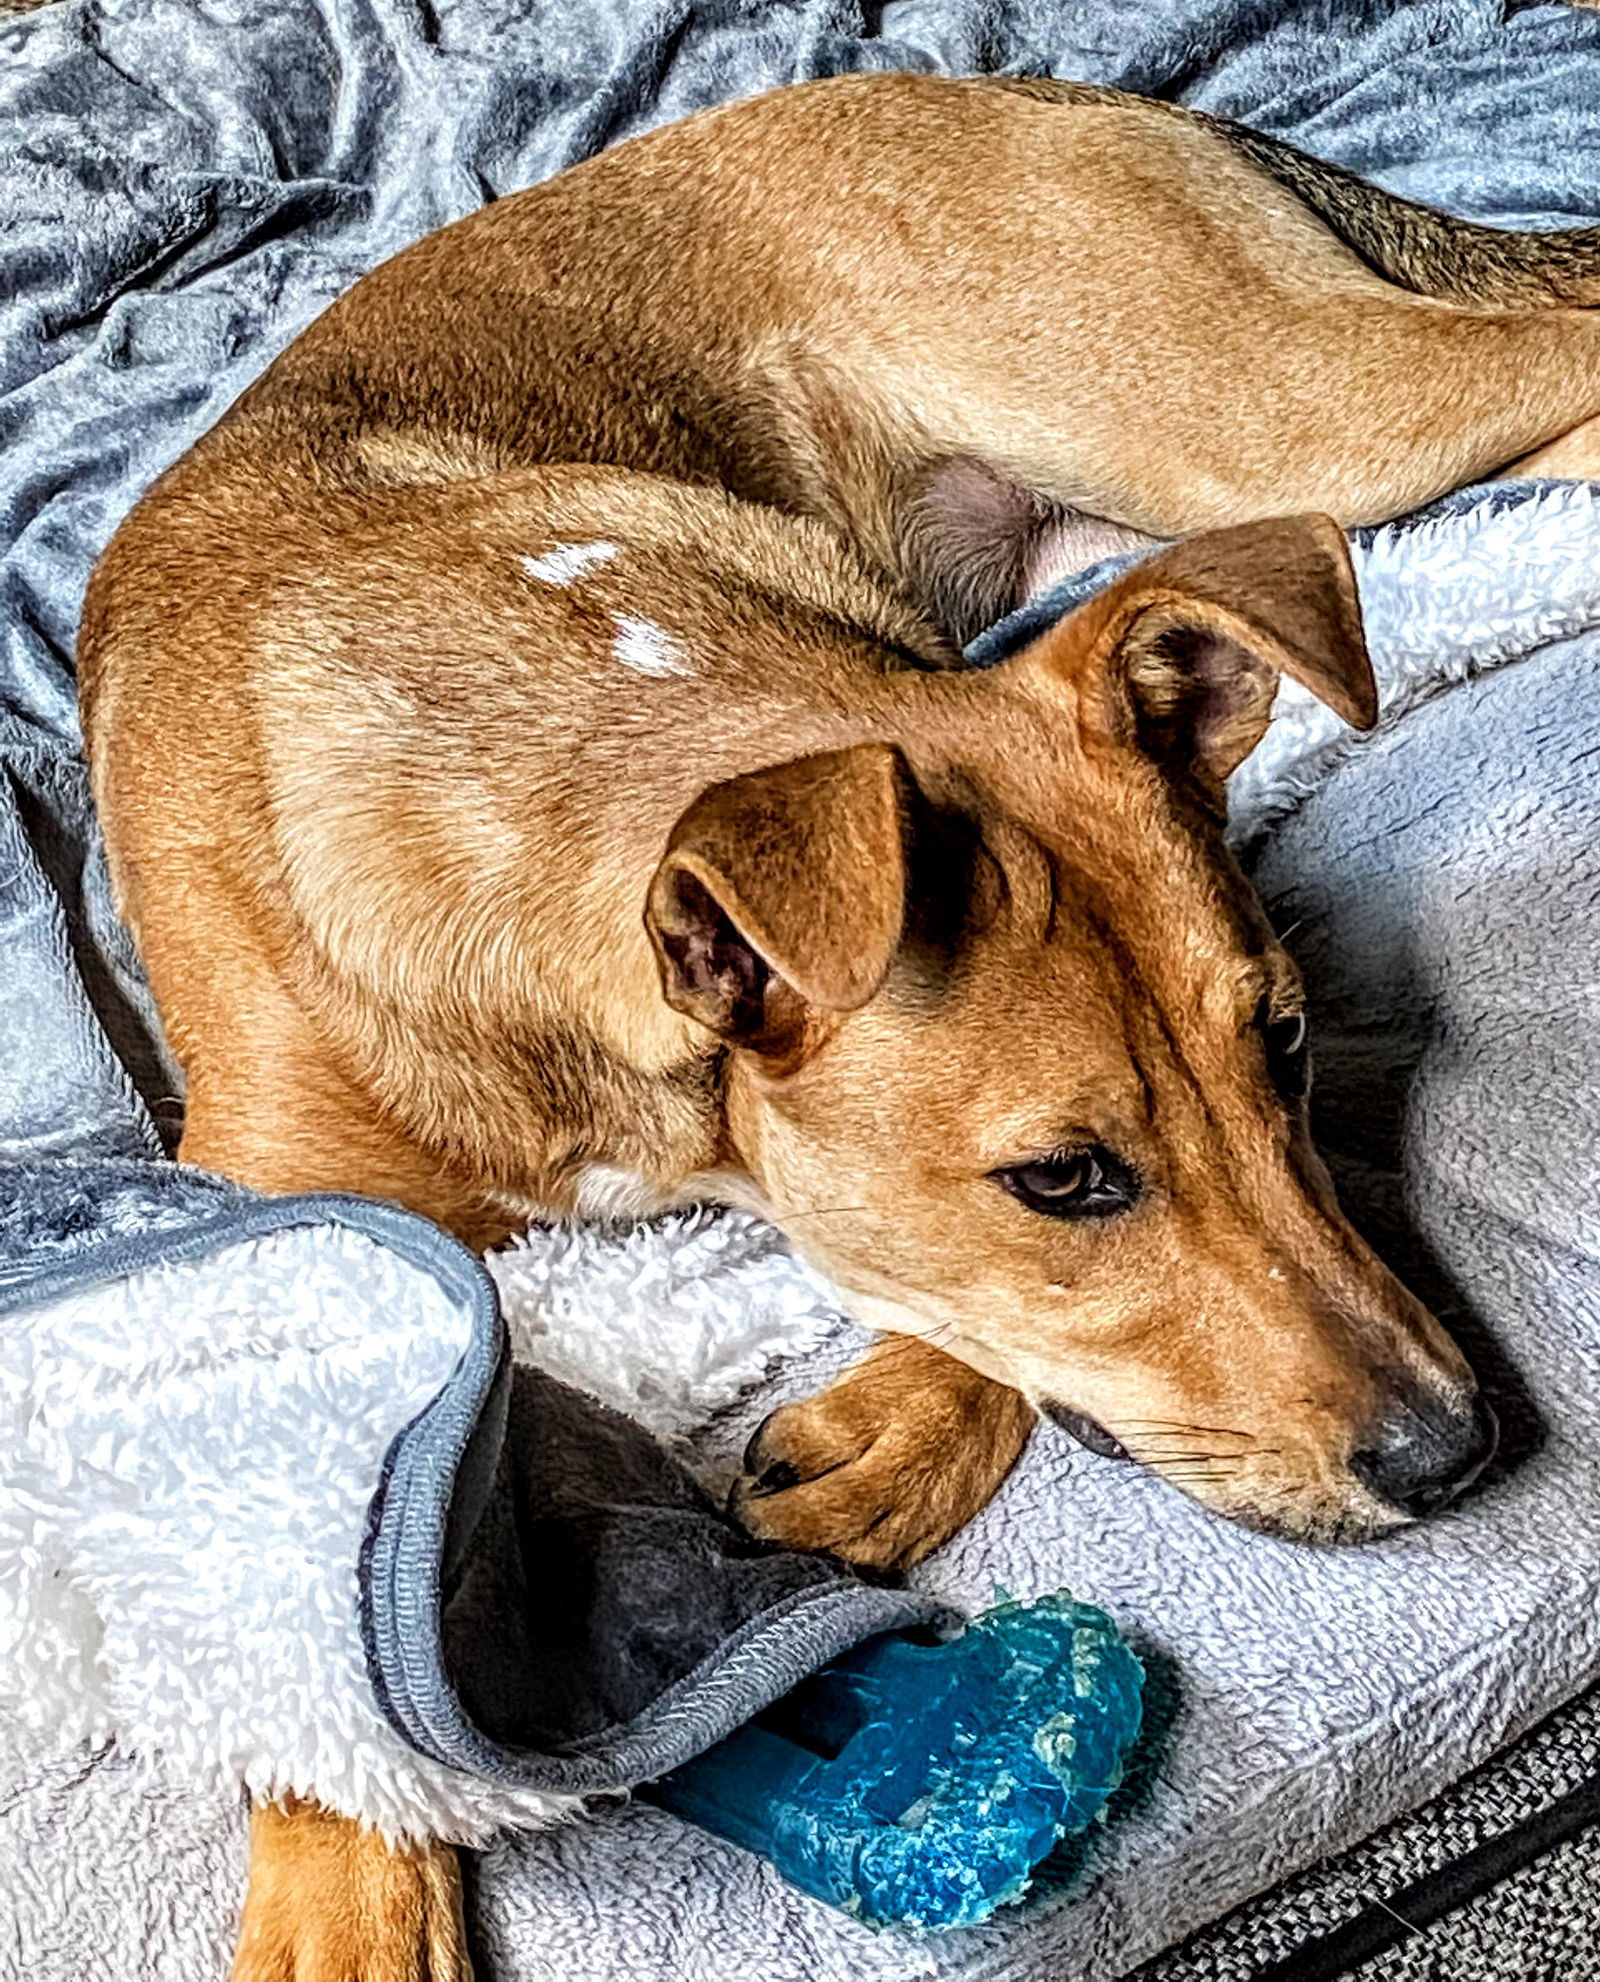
(1436, 254)
(1416, 247)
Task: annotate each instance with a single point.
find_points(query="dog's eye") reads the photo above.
(1078, 1183)
(1283, 1039)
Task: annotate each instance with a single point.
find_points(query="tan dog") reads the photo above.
(535, 763)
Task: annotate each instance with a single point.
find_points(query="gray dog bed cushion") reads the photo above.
(180, 192)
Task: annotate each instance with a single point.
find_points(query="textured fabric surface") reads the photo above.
(1559, 1756)
(181, 190)
(1540, 1925)
(189, 1461)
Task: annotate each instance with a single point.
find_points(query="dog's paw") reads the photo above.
(330, 1902)
(885, 1464)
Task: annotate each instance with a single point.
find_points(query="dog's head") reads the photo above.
(1018, 1060)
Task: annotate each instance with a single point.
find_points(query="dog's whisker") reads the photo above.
(1176, 1455)
(1201, 1454)
(937, 1337)
(1177, 1425)
(1171, 1463)
(1194, 1450)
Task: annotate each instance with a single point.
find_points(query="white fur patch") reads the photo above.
(568, 561)
(647, 648)
(616, 1196)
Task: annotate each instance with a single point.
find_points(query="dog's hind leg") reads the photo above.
(329, 1901)
(1127, 314)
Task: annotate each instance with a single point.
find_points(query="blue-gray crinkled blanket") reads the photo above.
(199, 1395)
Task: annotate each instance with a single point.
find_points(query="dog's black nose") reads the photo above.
(1419, 1457)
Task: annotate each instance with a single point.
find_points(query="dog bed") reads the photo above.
(183, 190)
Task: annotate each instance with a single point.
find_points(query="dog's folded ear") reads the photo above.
(1181, 655)
(782, 894)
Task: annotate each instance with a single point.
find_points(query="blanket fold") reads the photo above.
(391, 1574)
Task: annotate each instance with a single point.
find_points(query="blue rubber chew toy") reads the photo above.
(919, 1785)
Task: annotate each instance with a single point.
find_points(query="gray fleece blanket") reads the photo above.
(179, 192)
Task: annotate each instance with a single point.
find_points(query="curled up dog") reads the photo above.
(585, 808)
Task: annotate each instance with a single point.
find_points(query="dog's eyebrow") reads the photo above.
(1120, 1120)
(1124, 1136)
(1230, 1002)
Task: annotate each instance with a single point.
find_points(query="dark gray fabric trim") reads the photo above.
(402, 1616)
(1542, 1924)
(1388, 1923)
(402, 1612)
(242, 1217)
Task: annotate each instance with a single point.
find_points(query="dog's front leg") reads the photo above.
(886, 1463)
(331, 1902)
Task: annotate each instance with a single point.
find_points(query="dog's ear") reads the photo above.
(1181, 655)
(782, 894)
